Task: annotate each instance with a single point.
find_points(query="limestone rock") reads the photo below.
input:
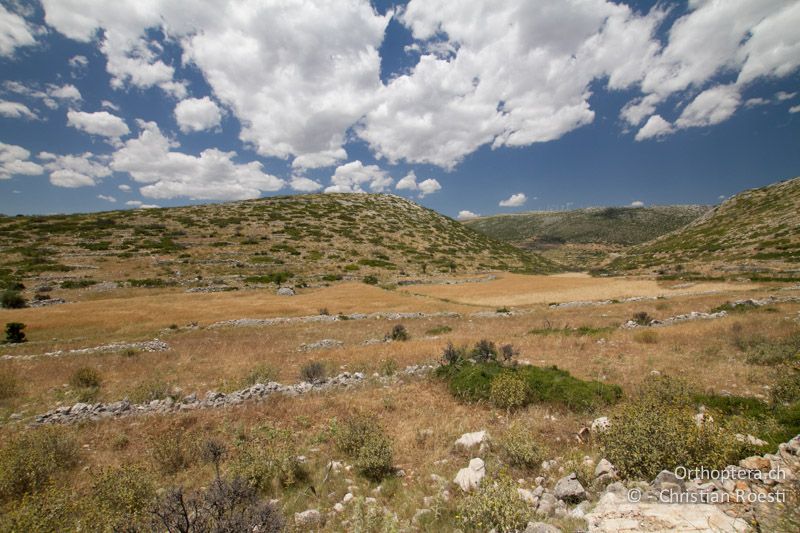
(570, 489)
(309, 518)
(470, 478)
(541, 527)
(468, 440)
(285, 291)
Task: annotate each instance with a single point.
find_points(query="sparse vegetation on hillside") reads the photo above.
(755, 233)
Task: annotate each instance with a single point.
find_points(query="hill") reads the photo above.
(606, 225)
(584, 238)
(755, 233)
(308, 238)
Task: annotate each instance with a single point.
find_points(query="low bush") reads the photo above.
(370, 280)
(642, 318)
(147, 391)
(121, 497)
(225, 506)
(267, 459)
(369, 518)
(313, 372)
(30, 459)
(519, 448)
(362, 439)
(508, 352)
(657, 431)
(170, 451)
(388, 366)
(495, 505)
(77, 283)
(484, 351)
(263, 373)
(12, 299)
(439, 330)
(773, 352)
(274, 277)
(473, 382)
(786, 389)
(14, 333)
(85, 377)
(398, 333)
(508, 391)
(452, 355)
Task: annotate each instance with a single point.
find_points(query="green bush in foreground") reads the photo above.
(519, 448)
(31, 459)
(495, 506)
(14, 333)
(508, 391)
(362, 439)
(267, 458)
(657, 431)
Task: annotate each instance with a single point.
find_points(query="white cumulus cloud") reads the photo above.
(466, 215)
(16, 110)
(124, 187)
(100, 123)
(710, 107)
(197, 114)
(425, 187)
(303, 184)
(655, 126)
(166, 173)
(637, 203)
(107, 198)
(65, 92)
(351, 176)
(14, 161)
(515, 200)
(71, 171)
(15, 32)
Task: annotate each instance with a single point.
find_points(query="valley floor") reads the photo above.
(203, 353)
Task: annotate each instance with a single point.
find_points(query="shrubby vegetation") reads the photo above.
(495, 505)
(14, 333)
(519, 447)
(31, 459)
(266, 457)
(362, 439)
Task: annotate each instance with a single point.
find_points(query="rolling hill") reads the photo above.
(755, 233)
(584, 238)
(307, 238)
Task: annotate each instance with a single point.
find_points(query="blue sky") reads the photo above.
(461, 106)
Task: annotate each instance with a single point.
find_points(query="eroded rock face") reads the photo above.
(469, 478)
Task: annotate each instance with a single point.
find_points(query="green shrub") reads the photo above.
(152, 389)
(14, 333)
(262, 373)
(472, 382)
(773, 352)
(85, 377)
(786, 389)
(361, 438)
(388, 366)
(370, 280)
(313, 372)
(508, 391)
(519, 448)
(398, 333)
(370, 518)
(266, 458)
(77, 283)
(121, 497)
(170, 452)
(495, 505)
(12, 299)
(53, 509)
(642, 318)
(274, 277)
(657, 431)
(29, 460)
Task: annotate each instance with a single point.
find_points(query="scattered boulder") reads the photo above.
(605, 470)
(570, 489)
(470, 478)
(469, 440)
(599, 425)
(668, 481)
(750, 439)
(307, 519)
(547, 504)
(285, 291)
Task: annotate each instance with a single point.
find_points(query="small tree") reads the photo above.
(12, 299)
(508, 352)
(452, 355)
(398, 333)
(14, 333)
(484, 351)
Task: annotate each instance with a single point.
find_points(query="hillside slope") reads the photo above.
(310, 238)
(754, 232)
(606, 225)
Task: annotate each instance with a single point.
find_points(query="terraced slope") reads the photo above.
(755, 233)
(309, 238)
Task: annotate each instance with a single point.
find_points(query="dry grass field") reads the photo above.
(420, 416)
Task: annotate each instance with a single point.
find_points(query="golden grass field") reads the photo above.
(202, 359)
